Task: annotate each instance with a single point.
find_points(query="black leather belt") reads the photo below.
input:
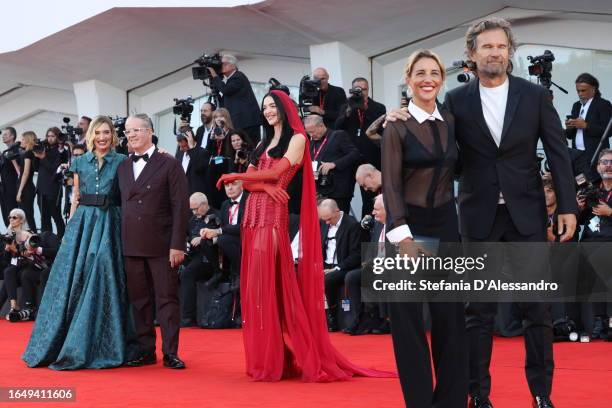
(95, 200)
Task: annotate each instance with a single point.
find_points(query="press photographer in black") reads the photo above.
(335, 157)
(9, 170)
(219, 147)
(49, 182)
(589, 118)
(203, 132)
(355, 117)
(202, 260)
(237, 96)
(28, 163)
(240, 149)
(331, 98)
(195, 161)
(34, 255)
(8, 250)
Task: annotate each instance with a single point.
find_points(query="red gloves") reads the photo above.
(262, 175)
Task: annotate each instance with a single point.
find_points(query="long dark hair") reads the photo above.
(281, 148)
(589, 79)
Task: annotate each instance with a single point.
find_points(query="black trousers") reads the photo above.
(8, 201)
(333, 281)
(196, 270)
(27, 205)
(537, 325)
(448, 338)
(11, 281)
(367, 198)
(231, 249)
(31, 279)
(50, 208)
(144, 274)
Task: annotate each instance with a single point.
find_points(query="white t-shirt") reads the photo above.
(494, 108)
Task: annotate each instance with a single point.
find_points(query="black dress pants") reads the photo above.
(50, 208)
(195, 271)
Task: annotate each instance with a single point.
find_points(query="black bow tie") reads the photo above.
(235, 203)
(144, 157)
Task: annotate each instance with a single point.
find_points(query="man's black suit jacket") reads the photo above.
(511, 168)
(333, 100)
(197, 170)
(239, 99)
(226, 227)
(370, 151)
(597, 119)
(348, 243)
(340, 150)
(48, 183)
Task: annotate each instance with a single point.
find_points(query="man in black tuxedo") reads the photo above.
(341, 243)
(330, 101)
(499, 119)
(228, 235)
(336, 157)
(589, 118)
(355, 117)
(203, 132)
(155, 211)
(49, 185)
(194, 161)
(8, 173)
(237, 97)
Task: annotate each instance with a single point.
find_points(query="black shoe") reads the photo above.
(22, 315)
(353, 328)
(542, 402)
(599, 329)
(384, 328)
(478, 402)
(145, 359)
(332, 324)
(188, 322)
(172, 361)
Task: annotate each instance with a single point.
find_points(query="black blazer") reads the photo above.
(370, 151)
(511, 168)
(48, 184)
(348, 243)
(341, 151)
(226, 228)
(333, 100)
(597, 118)
(239, 99)
(197, 170)
(200, 135)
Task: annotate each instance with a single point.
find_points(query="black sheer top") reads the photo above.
(418, 162)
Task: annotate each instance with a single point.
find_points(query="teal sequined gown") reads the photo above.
(83, 316)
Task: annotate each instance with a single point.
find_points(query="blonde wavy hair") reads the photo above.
(98, 121)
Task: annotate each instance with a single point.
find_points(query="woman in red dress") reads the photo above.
(284, 325)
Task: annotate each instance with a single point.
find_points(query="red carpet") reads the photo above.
(215, 378)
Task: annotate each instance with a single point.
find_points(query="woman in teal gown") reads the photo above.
(83, 319)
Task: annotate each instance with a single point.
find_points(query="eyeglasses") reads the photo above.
(14, 217)
(606, 162)
(136, 131)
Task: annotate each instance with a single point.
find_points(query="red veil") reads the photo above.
(310, 265)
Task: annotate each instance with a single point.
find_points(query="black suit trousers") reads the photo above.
(195, 271)
(231, 249)
(537, 325)
(50, 208)
(148, 277)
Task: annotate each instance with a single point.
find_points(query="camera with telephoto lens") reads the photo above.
(355, 101)
(468, 74)
(184, 108)
(212, 222)
(218, 129)
(585, 189)
(69, 132)
(40, 146)
(7, 239)
(206, 61)
(242, 154)
(29, 244)
(12, 153)
(368, 222)
(310, 90)
(541, 67)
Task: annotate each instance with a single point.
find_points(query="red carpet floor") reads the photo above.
(215, 377)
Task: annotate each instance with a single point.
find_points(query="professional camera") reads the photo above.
(468, 70)
(70, 132)
(218, 129)
(12, 153)
(30, 244)
(65, 175)
(7, 239)
(310, 90)
(206, 61)
(541, 67)
(213, 222)
(588, 191)
(275, 85)
(41, 146)
(119, 125)
(184, 108)
(242, 154)
(368, 222)
(355, 101)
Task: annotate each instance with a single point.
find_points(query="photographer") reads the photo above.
(241, 148)
(194, 160)
(29, 164)
(49, 184)
(202, 261)
(369, 178)
(68, 178)
(355, 117)
(220, 154)
(9, 172)
(237, 97)
(83, 124)
(331, 98)
(17, 223)
(589, 118)
(203, 132)
(335, 158)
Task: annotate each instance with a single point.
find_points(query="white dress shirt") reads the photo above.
(206, 135)
(234, 209)
(185, 161)
(584, 109)
(331, 257)
(140, 164)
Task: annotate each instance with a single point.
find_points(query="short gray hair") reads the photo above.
(231, 58)
(144, 117)
(603, 153)
(364, 169)
(313, 120)
(330, 204)
(199, 198)
(492, 23)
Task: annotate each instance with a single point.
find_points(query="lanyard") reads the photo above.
(322, 99)
(361, 114)
(219, 147)
(233, 212)
(609, 194)
(316, 151)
